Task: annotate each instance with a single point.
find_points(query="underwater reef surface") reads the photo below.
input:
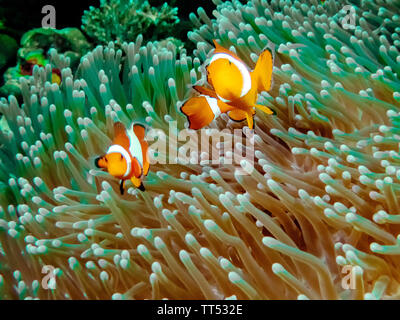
(35, 49)
(323, 198)
(123, 20)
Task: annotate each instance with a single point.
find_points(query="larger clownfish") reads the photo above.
(234, 89)
(127, 157)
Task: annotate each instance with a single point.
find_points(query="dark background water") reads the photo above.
(23, 15)
(20, 16)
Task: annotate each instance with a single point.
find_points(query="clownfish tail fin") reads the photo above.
(262, 73)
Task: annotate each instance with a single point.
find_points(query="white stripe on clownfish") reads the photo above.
(135, 148)
(213, 103)
(242, 68)
(116, 148)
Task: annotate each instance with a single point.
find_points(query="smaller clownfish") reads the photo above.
(234, 89)
(127, 157)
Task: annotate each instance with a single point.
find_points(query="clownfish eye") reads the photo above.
(121, 157)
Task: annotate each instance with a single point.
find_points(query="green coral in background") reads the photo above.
(123, 20)
(8, 49)
(8, 46)
(69, 41)
(34, 50)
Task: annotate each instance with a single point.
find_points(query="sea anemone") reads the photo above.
(323, 198)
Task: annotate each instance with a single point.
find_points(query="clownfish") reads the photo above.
(234, 89)
(127, 157)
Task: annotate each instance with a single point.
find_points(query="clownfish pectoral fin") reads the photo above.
(122, 187)
(265, 109)
(205, 91)
(262, 73)
(202, 110)
(250, 120)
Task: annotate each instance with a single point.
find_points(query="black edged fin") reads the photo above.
(96, 162)
(121, 187)
(141, 187)
(186, 115)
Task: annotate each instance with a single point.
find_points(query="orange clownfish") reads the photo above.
(127, 157)
(234, 89)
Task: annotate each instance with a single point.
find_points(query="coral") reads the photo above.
(35, 47)
(70, 41)
(9, 46)
(324, 194)
(123, 20)
(8, 49)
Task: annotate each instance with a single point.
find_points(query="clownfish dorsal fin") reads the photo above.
(140, 131)
(119, 129)
(221, 49)
(120, 137)
(217, 46)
